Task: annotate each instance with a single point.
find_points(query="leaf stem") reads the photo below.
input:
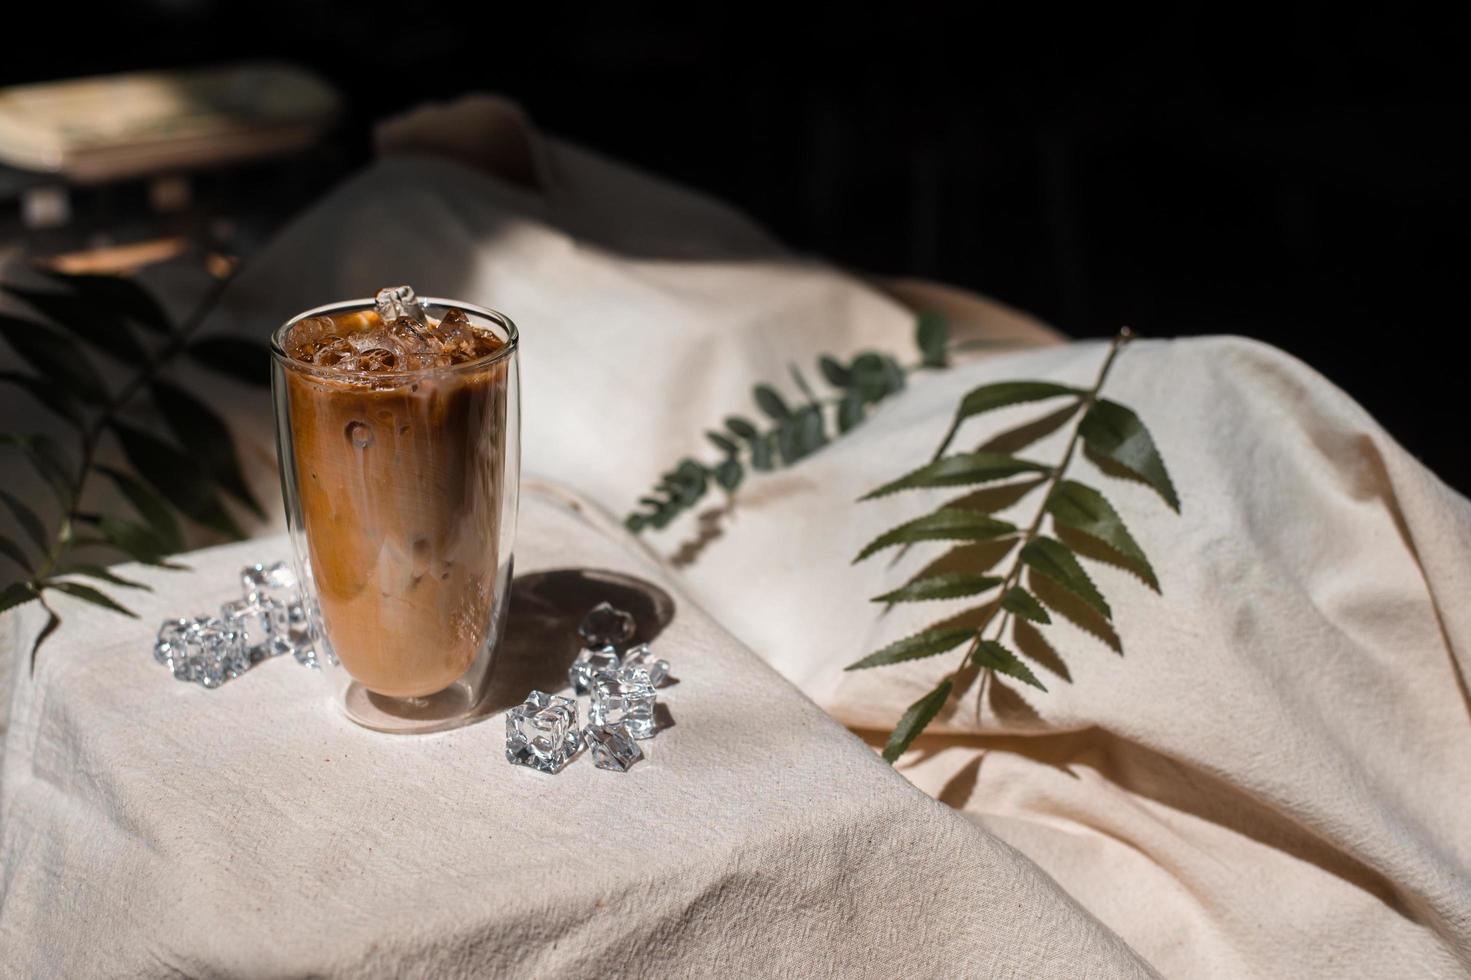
(1014, 575)
(92, 434)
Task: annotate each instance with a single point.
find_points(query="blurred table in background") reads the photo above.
(113, 173)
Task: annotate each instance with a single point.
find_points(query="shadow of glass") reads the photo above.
(541, 638)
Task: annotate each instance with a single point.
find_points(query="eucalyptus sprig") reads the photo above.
(187, 469)
(794, 431)
(1083, 524)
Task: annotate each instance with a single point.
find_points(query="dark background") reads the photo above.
(1295, 175)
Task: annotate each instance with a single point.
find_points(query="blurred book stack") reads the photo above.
(109, 173)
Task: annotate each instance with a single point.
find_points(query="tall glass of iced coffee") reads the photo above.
(397, 426)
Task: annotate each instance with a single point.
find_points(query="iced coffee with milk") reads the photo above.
(397, 428)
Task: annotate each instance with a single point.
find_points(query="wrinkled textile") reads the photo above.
(1271, 780)
(153, 828)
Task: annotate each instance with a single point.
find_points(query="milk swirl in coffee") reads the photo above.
(398, 429)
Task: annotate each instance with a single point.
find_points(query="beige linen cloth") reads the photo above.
(1272, 780)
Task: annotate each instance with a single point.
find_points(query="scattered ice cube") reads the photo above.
(642, 658)
(625, 698)
(612, 747)
(213, 652)
(274, 646)
(276, 581)
(589, 664)
(605, 625)
(542, 732)
(258, 616)
(169, 643)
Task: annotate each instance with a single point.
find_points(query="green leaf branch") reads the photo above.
(787, 432)
(1083, 523)
(188, 473)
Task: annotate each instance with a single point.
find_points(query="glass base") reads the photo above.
(450, 708)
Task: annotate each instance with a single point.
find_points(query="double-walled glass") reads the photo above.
(400, 492)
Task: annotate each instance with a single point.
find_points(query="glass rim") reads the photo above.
(512, 340)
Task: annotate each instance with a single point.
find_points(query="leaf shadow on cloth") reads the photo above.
(541, 638)
(1139, 772)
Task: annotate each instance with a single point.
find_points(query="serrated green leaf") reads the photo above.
(102, 574)
(1019, 602)
(942, 525)
(41, 453)
(132, 539)
(97, 324)
(834, 372)
(635, 522)
(123, 295)
(179, 479)
(27, 519)
(51, 396)
(770, 401)
(952, 585)
(742, 427)
(992, 655)
(243, 360)
(88, 594)
(206, 437)
(932, 335)
(52, 621)
(151, 507)
(14, 552)
(850, 413)
(961, 469)
(729, 473)
(54, 355)
(1053, 559)
(1081, 507)
(14, 594)
(915, 720)
(1115, 433)
(723, 443)
(926, 644)
(990, 397)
